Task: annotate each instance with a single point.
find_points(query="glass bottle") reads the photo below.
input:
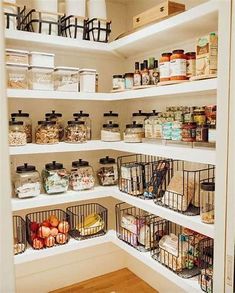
(156, 74)
(151, 68)
(207, 209)
(110, 132)
(145, 74)
(137, 75)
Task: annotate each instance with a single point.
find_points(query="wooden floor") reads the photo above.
(122, 281)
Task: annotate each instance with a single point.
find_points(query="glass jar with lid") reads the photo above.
(17, 76)
(76, 131)
(57, 117)
(134, 132)
(27, 123)
(55, 178)
(81, 176)
(150, 125)
(139, 117)
(178, 65)
(107, 173)
(199, 115)
(207, 202)
(110, 116)
(47, 132)
(16, 135)
(27, 182)
(110, 132)
(86, 118)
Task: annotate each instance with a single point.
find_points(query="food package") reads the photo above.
(129, 223)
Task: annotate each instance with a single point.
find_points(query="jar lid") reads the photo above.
(81, 114)
(107, 160)
(53, 114)
(25, 168)
(66, 68)
(87, 70)
(208, 186)
(129, 74)
(166, 54)
(80, 163)
(76, 121)
(153, 113)
(46, 122)
(110, 125)
(134, 125)
(41, 67)
(191, 54)
(117, 76)
(19, 114)
(54, 166)
(16, 51)
(17, 65)
(178, 51)
(42, 53)
(140, 113)
(14, 122)
(110, 114)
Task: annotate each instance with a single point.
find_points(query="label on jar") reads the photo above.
(164, 69)
(28, 190)
(145, 78)
(191, 67)
(178, 67)
(137, 79)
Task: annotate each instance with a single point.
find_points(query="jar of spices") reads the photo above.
(199, 115)
(129, 81)
(47, 132)
(134, 132)
(81, 176)
(76, 131)
(139, 117)
(202, 133)
(27, 123)
(107, 173)
(17, 76)
(57, 117)
(189, 132)
(164, 67)
(17, 135)
(66, 79)
(117, 79)
(212, 134)
(150, 124)
(55, 178)
(86, 118)
(110, 116)
(27, 181)
(41, 78)
(178, 65)
(191, 64)
(207, 202)
(110, 132)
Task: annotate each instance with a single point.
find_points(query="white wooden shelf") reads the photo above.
(200, 88)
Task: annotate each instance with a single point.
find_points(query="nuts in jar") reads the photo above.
(107, 173)
(26, 122)
(57, 117)
(47, 132)
(84, 117)
(76, 131)
(16, 135)
(178, 65)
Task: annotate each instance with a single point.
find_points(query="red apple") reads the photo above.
(63, 227)
(44, 232)
(54, 231)
(53, 221)
(34, 226)
(49, 241)
(33, 235)
(38, 243)
(61, 238)
(46, 223)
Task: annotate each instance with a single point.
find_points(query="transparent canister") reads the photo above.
(86, 118)
(107, 173)
(17, 76)
(75, 131)
(16, 134)
(134, 132)
(66, 79)
(57, 117)
(139, 117)
(110, 116)
(41, 78)
(110, 132)
(47, 132)
(207, 202)
(21, 116)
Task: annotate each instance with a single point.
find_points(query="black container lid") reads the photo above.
(107, 160)
(178, 51)
(81, 114)
(208, 186)
(134, 125)
(47, 121)
(168, 54)
(14, 122)
(110, 114)
(117, 76)
(54, 166)
(155, 63)
(140, 113)
(25, 168)
(110, 125)
(137, 65)
(153, 113)
(80, 163)
(53, 114)
(19, 114)
(76, 121)
(142, 66)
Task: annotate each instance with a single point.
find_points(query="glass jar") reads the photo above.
(16, 135)
(188, 115)
(151, 124)
(110, 116)
(75, 132)
(84, 117)
(47, 132)
(117, 80)
(110, 132)
(202, 133)
(129, 81)
(139, 117)
(17, 76)
(107, 173)
(134, 132)
(189, 132)
(27, 181)
(210, 112)
(212, 134)
(41, 78)
(207, 202)
(55, 178)
(27, 122)
(176, 133)
(191, 64)
(164, 67)
(178, 65)
(66, 79)
(81, 176)
(199, 115)
(57, 117)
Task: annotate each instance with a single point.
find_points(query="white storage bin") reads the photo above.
(45, 5)
(17, 57)
(87, 80)
(42, 59)
(66, 79)
(41, 78)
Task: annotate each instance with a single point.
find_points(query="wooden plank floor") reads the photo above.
(122, 281)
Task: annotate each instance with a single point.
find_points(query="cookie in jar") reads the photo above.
(76, 131)
(107, 173)
(27, 122)
(47, 132)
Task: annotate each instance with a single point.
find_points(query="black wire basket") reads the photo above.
(19, 235)
(13, 14)
(88, 221)
(74, 27)
(133, 226)
(98, 30)
(47, 229)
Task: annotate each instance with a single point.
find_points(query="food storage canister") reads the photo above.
(86, 118)
(66, 79)
(110, 132)
(17, 56)
(26, 181)
(55, 178)
(20, 116)
(134, 132)
(107, 172)
(42, 59)
(178, 65)
(117, 82)
(129, 81)
(16, 135)
(189, 132)
(75, 7)
(110, 116)
(47, 132)
(87, 80)
(139, 117)
(207, 202)
(81, 175)
(164, 67)
(41, 78)
(151, 125)
(191, 64)
(57, 117)
(17, 76)
(75, 131)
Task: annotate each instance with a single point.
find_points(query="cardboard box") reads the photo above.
(158, 12)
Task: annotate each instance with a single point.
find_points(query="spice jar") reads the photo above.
(207, 202)
(55, 178)
(41, 78)
(110, 132)
(139, 117)
(134, 132)
(150, 123)
(57, 117)
(86, 118)
(16, 135)
(164, 67)
(178, 65)
(202, 133)
(47, 132)
(27, 122)
(66, 79)
(191, 64)
(107, 172)
(212, 134)
(117, 82)
(189, 132)
(199, 115)
(81, 176)
(110, 116)
(17, 76)
(76, 131)
(129, 81)
(27, 181)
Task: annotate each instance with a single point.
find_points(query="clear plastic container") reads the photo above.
(57, 117)
(207, 202)
(66, 79)
(27, 182)
(42, 59)
(110, 132)
(20, 116)
(55, 178)
(17, 76)
(16, 135)
(17, 56)
(110, 116)
(87, 80)
(47, 132)
(86, 118)
(134, 132)
(41, 78)
(76, 131)
(81, 176)
(107, 172)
